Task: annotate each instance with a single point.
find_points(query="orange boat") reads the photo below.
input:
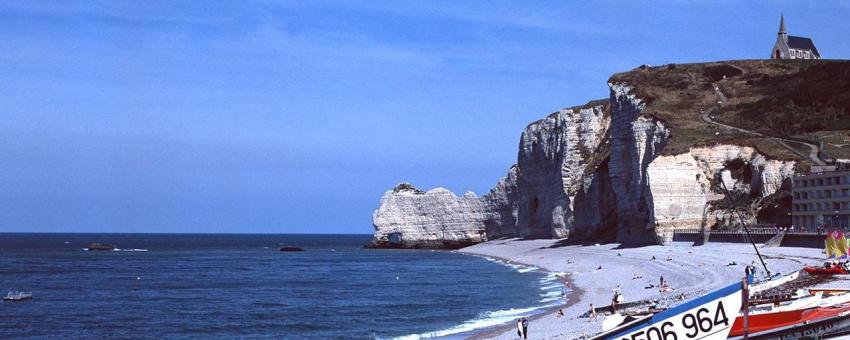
(832, 270)
(768, 321)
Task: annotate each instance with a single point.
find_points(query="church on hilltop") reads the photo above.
(791, 47)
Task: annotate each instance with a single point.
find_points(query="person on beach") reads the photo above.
(615, 301)
(524, 328)
(519, 327)
(592, 313)
(661, 281)
(560, 312)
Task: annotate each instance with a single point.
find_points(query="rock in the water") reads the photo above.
(411, 218)
(291, 248)
(100, 247)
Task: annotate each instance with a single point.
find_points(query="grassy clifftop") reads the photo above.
(777, 98)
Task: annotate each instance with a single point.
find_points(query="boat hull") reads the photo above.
(795, 323)
(825, 271)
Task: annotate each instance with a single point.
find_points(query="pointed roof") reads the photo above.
(782, 24)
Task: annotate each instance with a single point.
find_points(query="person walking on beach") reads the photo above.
(524, 328)
(519, 327)
(592, 313)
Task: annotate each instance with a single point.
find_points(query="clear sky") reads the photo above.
(276, 117)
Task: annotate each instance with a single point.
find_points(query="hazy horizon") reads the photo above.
(276, 117)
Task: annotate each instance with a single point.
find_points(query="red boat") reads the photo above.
(832, 270)
(768, 321)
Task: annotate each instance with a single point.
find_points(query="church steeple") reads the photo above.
(782, 24)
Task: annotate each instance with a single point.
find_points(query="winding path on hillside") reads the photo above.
(721, 100)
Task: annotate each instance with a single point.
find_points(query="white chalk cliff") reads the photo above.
(593, 172)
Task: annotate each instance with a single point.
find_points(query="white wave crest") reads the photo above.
(527, 269)
(489, 319)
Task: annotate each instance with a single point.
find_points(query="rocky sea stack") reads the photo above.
(650, 159)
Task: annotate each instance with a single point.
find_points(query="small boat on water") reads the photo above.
(17, 296)
(99, 247)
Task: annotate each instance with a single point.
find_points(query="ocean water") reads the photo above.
(241, 286)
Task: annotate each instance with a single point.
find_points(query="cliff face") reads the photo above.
(632, 168)
(635, 142)
(554, 156)
(556, 174)
(500, 207)
(658, 193)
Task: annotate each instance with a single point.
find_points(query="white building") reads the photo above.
(791, 47)
(821, 200)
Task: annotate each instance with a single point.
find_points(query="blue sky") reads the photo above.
(275, 117)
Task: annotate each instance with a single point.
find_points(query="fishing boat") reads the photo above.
(798, 303)
(829, 269)
(809, 322)
(17, 296)
(99, 246)
(707, 317)
(776, 282)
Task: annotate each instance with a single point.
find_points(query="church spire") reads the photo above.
(782, 24)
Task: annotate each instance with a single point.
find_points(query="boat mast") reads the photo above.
(744, 225)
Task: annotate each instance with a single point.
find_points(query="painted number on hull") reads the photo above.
(694, 324)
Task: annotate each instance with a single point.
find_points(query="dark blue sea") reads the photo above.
(241, 286)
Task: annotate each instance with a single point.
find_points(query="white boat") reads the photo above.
(765, 285)
(708, 317)
(17, 296)
(809, 301)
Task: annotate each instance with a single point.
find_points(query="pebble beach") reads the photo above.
(593, 272)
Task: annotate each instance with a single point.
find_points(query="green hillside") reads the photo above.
(791, 99)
